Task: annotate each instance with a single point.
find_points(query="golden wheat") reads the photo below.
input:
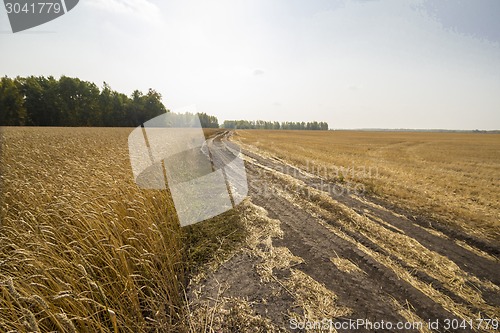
(82, 248)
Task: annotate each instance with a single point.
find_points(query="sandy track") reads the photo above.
(387, 247)
(409, 224)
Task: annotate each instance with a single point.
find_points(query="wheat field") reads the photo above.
(83, 249)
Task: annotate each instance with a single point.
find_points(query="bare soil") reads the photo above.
(384, 285)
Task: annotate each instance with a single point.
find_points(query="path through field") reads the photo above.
(339, 258)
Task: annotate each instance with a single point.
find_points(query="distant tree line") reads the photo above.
(188, 119)
(46, 101)
(208, 121)
(286, 125)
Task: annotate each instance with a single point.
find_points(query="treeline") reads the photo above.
(46, 101)
(286, 125)
(188, 119)
(208, 121)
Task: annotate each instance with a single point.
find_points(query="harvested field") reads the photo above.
(450, 177)
(362, 257)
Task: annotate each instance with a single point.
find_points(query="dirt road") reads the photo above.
(321, 254)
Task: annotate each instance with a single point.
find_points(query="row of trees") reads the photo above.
(186, 120)
(46, 101)
(286, 125)
(208, 121)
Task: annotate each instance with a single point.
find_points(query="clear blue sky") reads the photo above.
(354, 64)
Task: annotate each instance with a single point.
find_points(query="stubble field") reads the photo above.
(451, 177)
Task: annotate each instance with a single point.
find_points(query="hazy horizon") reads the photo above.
(354, 64)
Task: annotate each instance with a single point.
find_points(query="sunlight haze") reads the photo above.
(354, 64)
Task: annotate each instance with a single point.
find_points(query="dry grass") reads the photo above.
(229, 314)
(346, 265)
(220, 313)
(82, 248)
(317, 301)
(236, 314)
(452, 177)
(401, 246)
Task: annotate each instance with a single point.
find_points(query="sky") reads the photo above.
(355, 64)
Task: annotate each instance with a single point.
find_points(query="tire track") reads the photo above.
(468, 261)
(368, 295)
(372, 294)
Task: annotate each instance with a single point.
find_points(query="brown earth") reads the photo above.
(318, 251)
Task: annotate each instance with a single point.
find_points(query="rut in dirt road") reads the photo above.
(370, 293)
(367, 293)
(400, 269)
(467, 260)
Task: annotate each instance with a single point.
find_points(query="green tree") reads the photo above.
(12, 110)
(41, 100)
(152, 104)
(79, 102)
(207, 121)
